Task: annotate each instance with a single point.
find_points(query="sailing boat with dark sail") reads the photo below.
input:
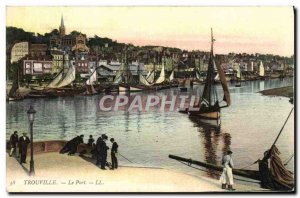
(208, 106)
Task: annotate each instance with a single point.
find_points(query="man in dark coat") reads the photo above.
(13, 142)
(102, 151)
(114, 151)
(91, 141)
(98, 151)
(72, 145)
(78, 140)
(23, 144)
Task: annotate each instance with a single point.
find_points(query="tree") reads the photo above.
(76, 33)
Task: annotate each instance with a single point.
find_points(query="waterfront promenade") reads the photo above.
(62, 173)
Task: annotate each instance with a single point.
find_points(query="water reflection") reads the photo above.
(210, 130)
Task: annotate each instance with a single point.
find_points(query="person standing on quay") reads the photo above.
(91, 141)
(98, 151)
(23, 144)
(102, 151)
(13, 142)
(227, 176)
(114, 151)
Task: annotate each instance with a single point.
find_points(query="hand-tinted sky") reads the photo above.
(236, 29)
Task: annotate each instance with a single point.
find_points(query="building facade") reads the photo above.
(18, 51)
(38, 50)
(40, 66)
(57, 60)
(74, 43)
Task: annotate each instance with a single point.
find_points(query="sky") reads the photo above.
(236, 29)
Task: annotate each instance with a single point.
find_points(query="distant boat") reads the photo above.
(261, 73)
(238, 77)
(208, 106)
(90, 90)
(124, 78)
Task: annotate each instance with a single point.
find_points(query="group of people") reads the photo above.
(19, 143)
(101, 152)
(98, 149)
(71, 146)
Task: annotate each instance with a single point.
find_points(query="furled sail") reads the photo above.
(261, 69)
(171, 76)
(92, 79)
(162, 76)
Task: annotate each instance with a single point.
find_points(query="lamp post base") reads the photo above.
(31, 170)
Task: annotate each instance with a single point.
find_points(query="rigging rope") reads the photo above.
(249, 165)
(287, 161)
(217, 174)
(282, 128)
(275, 139)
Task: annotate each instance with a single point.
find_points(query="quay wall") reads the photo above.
(44, 146)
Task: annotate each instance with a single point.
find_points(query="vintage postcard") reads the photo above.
(150, 99)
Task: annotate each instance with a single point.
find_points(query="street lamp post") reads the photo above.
(30, 114)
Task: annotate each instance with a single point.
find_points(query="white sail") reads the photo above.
(144, 81)
(198, 75)
(56, 80)
(150, 77)
(171, 76)
(251, 66)
(93, 89)
(119, 75)
(92, 79)
(161, 77)
(261, 69)
(68, 78)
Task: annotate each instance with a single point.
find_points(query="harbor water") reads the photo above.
(248, 127)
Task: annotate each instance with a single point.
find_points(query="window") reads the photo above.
(37, 68)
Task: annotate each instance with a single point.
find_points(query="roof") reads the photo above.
(69, 36)
(38, 58)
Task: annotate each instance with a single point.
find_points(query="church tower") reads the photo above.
(62, 29)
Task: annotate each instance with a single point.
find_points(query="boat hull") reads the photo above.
(252, 174)
(215, 115)
(124, 88)
(135, 89)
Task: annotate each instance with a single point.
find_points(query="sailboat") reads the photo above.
(162, 76)
(238, 77)
(150, 77)
(124, 78)
(65, 77)
(208, 106)
(90, 90)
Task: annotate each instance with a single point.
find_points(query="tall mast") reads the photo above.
(212, 42)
